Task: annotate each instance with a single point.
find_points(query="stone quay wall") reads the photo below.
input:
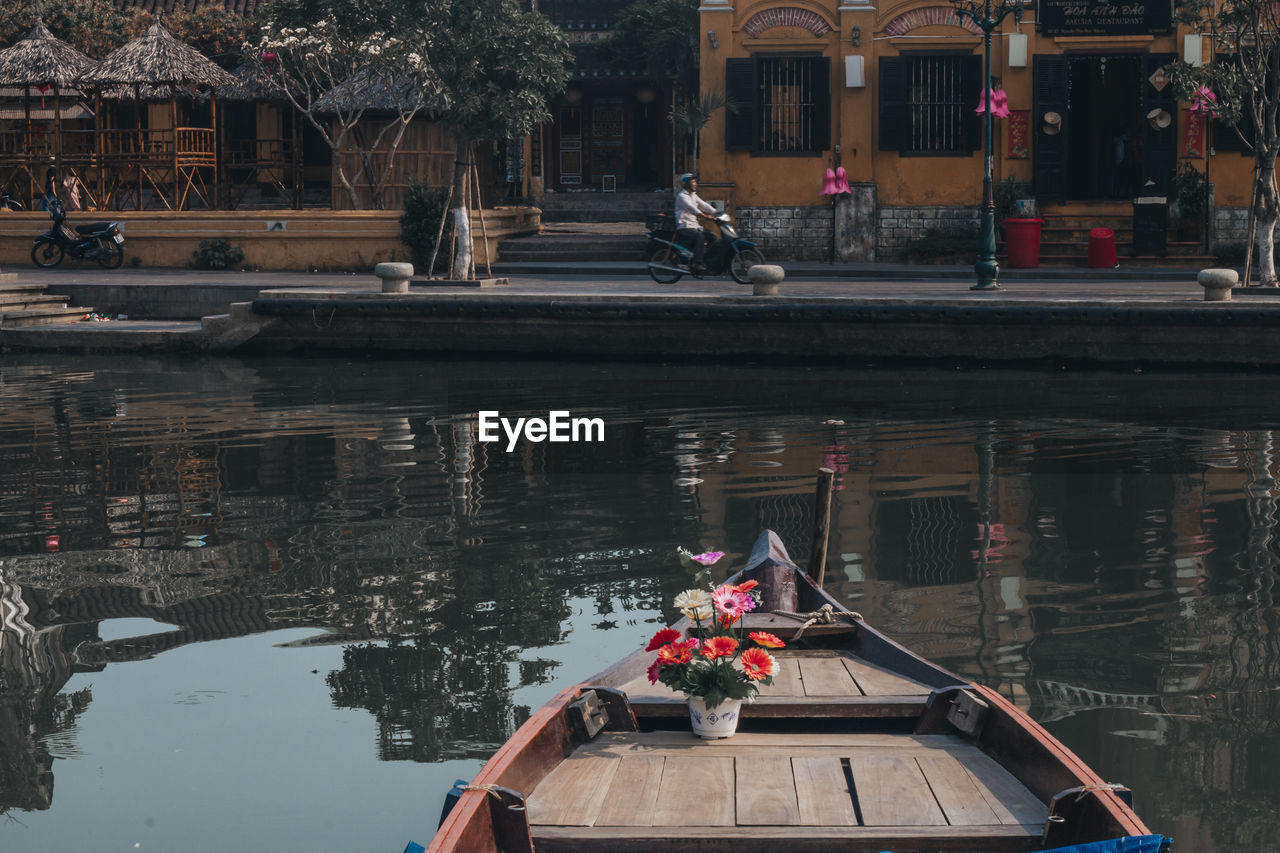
(899, 225)
(789, 233)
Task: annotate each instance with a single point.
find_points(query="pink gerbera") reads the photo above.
(707, 558)
(731, 602)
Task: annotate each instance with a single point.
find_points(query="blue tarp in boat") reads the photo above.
(1131, 844)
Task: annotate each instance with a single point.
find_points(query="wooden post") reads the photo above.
(475, 176)
(215, 196)
(173, 134)
(821, 525)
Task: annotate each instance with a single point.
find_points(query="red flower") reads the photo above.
(653, 670)
(769, 641)
(660, 639)
(727, 621)
(757, 664)
(719, 647)
(746, 586)
(674, 653)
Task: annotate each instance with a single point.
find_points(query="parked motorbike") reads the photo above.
(97, 241)
(729, 253)
(8, 202)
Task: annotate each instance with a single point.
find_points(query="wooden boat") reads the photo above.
(858, 745)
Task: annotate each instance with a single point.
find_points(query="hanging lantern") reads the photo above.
(842, 181)
(999, 103)
(829, 182)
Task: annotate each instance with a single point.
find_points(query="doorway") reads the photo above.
(1104, 112)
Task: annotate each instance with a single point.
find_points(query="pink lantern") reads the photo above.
(842, 181)
(999, 103)
(829, 182)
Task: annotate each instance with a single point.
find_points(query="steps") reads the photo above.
(593, 206)
(578, 242)
(25, 305)
(1064, 237)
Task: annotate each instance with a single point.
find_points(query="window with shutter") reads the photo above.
(783, 104)
(927, 102)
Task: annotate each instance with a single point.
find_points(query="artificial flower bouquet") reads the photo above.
(718, 663)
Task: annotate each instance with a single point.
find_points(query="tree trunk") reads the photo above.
(1268, 211)
(461, 214)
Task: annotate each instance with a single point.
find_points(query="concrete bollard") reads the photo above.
(765, 279)
(1217, 284)
(395, 276)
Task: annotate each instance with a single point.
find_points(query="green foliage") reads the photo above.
(713, 681)
(94, 27)
(1007, 192)
(655, 38)
(217, 254)
(424, 205)
(496, 66)
(1189, 186)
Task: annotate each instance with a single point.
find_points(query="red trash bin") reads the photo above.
(1022, 238)
(1102, 248)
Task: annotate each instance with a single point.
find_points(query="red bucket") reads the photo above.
(1022, 239)
(1102, 249)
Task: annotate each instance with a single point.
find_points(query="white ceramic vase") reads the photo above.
(720, 721)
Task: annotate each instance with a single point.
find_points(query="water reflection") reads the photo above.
(1099, 548)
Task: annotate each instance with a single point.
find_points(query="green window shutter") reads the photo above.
(740, 90)
(893, 103)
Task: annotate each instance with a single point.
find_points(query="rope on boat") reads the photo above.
(1085, 790)
(491, 789)
(824, 615)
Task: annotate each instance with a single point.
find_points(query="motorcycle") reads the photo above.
(730, 253)
(97, 241)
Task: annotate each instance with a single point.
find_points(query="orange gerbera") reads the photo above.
(726, 621)
(746, 586)
(769, 641)
(673, 653)
(660, 639)
(719, 647)
(757, 664)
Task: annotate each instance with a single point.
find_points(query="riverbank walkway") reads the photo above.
(887, 311)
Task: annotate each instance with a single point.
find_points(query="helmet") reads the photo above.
(685, 179)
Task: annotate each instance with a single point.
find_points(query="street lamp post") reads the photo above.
(988, 17)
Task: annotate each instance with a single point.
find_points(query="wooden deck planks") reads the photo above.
(826, 676)
(651, 780)
(766, 791)
(954, 789)
(822, 791)
(892, 791)
(634, 792)
(572, 793)
(786, 680)
(696, 791)
(877, 681)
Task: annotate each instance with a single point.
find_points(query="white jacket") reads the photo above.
(688, 206)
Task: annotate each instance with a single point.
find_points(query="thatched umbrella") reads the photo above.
(43, 62)
(157, 60)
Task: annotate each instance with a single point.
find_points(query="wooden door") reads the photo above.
(1049, 150)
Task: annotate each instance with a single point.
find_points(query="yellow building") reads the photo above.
(889, 93)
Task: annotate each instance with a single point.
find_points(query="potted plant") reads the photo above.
(715, 666)
(1189, 192)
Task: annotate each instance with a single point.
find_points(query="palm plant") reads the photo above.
(689, 118)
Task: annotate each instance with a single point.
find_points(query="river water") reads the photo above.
(283, 604)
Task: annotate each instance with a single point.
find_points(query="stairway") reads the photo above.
(592, 206)
(569, 242)
(1064, 237)
(24, 305)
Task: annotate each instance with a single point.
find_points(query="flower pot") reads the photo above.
(720, 721)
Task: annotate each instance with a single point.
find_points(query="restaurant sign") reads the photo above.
(1091, 18)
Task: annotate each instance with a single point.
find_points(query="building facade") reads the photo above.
(889, 92)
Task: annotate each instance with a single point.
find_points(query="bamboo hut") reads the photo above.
(426, 151)
(158, 159)
(261, 140)
(42, 63)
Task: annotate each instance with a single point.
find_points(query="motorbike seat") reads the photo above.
(92, 227)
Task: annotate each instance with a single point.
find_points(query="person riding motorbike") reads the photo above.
(688, 229)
